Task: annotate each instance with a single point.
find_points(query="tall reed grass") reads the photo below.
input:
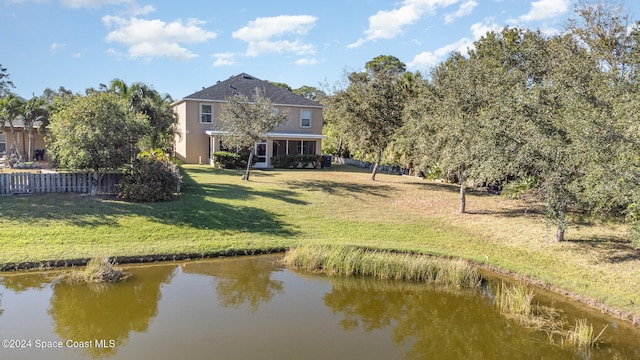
(582, 336)
(352, 260)
(516, 302)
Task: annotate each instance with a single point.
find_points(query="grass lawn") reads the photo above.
(219, 214)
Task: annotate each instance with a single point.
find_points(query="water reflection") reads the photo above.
(23, 283)
(245, 308)
(107, 312)
(240, 282)
(451, 323)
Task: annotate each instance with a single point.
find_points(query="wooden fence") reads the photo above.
(30, 183)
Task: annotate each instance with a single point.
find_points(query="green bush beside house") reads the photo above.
(296, 161)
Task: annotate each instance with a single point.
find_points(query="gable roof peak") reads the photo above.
(245, 84)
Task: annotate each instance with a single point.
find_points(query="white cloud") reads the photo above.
(306, 61)
(224, 59)
(141, 10)
(481, 29)
(427, 59)
(55, 47)
(545, 9)
(262, 34)
(389, 24)
(115, 54)
(156, 38)
(465, 9)
(267, 27)
(281, 46)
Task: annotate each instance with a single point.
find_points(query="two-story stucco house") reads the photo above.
(198, 134)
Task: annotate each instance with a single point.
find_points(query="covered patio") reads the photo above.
(273, 144)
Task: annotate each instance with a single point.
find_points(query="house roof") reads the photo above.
(246, 85)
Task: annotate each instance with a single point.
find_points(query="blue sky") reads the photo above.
(179, 47)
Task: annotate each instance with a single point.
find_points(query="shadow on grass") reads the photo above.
(208, 170)
(430, 185)
(196, 208)
(513, 212)
(611, 249)
(340, 188)
(232, 191)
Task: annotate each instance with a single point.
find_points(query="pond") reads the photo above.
(253, 308)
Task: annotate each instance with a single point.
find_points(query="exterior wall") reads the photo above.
(23, 141)
(192, 145)
(293, 122)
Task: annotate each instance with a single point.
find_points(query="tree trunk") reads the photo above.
(463, 197)
(30, 147)
(95, 179)
(376, 166)
(14, 137)
(248, 172)
(560, 233)
(562, 222)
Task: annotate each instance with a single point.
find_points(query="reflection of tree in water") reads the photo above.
(89, 312)
(241, 281)
(435, 322)
(24, 282)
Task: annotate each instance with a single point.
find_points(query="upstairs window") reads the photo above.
(206, 113)
(3, 143)
(305, 118)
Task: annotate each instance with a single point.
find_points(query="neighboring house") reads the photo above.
(198, 134)
(22, 137)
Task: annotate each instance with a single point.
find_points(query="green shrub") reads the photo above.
(306, 160)
(284, 161)
(516, 189)
(226, 160)
(149, 180)
(231, 160)
(295, 161)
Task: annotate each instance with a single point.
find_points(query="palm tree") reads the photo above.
(32, 111)
(144, 99)
(9, 111)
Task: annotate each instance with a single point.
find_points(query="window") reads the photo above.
(206, 113)
(305, 118)
(279, 147)
(302, 147)
(3, 143)
(309, 147)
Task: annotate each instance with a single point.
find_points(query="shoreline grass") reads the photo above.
(516, 302)
(582, 336)
(218, 214)
(356, 261)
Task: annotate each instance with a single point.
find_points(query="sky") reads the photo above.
(179, 47)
